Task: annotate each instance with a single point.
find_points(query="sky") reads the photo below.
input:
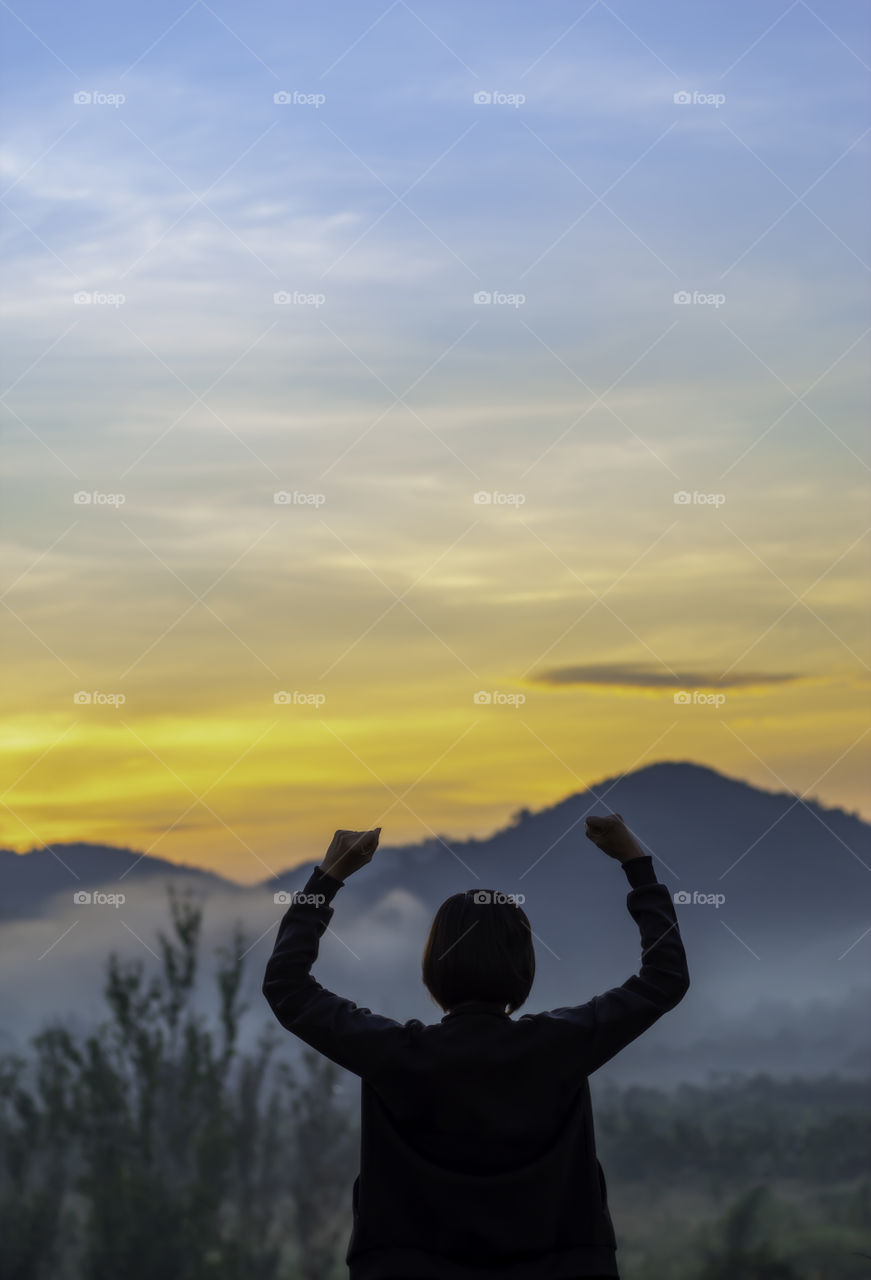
(416, 412)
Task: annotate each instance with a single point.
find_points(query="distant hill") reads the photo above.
(29, 882)
(779, 968)
(794, 875)
(788, 870)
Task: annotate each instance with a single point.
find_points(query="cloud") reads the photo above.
(626, 675)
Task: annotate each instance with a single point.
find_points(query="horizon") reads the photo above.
(443, 836)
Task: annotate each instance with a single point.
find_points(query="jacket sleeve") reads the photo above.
(607, 1023)
(352, 1037)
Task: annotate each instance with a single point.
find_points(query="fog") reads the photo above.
(789, 1020)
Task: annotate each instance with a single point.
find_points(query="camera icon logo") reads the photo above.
(282, 698)
(683, 498)
(682, 698)
(482, 97)
(82, 698)
(282, 898)
(482, 297)
(481, 895)
(682, 97)
(682, 297)
(682, 897)
(482, 697)
(81, 898)
(281, 97)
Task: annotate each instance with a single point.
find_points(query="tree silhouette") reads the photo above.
(152, 1146)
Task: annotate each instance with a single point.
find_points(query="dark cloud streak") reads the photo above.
(639, 677)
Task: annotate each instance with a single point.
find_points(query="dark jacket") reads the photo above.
(477, 1152)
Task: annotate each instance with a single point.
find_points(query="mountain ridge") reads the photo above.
(791, 925)
(700, 782)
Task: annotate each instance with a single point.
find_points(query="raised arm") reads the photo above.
(353, 1037)
(607, 1023)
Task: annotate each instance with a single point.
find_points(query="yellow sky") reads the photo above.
(379, 724)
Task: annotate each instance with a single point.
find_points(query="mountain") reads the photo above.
(788, 875)
(31, 882)
(775, 910)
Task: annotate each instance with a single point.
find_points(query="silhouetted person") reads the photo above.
(477, 1152)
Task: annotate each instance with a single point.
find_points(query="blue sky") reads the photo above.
(582, 198)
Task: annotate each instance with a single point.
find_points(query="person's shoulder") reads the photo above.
(549, 1022)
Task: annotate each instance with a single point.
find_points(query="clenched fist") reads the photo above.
(613, 837)
(349, 851)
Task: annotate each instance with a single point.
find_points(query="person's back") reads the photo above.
(477, 1144)
(479, 1090)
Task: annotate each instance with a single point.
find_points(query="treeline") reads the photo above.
(154, 1145)
(760, 1129)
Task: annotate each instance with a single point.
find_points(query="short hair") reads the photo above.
(479, 948)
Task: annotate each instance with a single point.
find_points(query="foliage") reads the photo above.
(739, 1131)
(152, 1146)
